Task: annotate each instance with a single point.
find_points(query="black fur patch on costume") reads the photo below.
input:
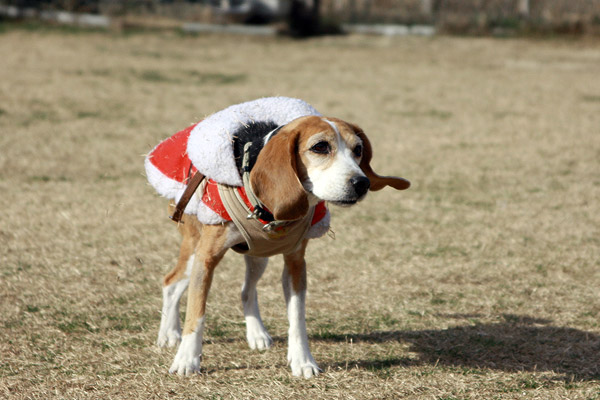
(252, 132)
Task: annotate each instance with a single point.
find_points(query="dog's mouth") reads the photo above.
(347, 199)
(344, 203)
(347, 202)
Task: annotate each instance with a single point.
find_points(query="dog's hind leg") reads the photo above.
(209, 253)
(176, 282)
(257, 335)
(294, 289)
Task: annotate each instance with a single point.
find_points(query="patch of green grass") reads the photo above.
(134, 343)
(106, 177)
(13, 323)
(40, 178)
(101, 72)
(481, 205)
(47, 178)
(511, 23)
(122, 300)
(440, 114)
(471, 371)
(218, 328)
(32, 309)
(189, 77)
(216, 78)
(76, 324)
(107, 373)
(37, 116)
(87, 114)
(570, 385)
(7, 370)
(20, 267)
(148, 54)
(450, 398)
(125, 325)
(24, 266)
(383, 321)
(130, 322)
(326, 330)
(541, 269)
(135, 30)
(32, 25)
(507, 114)
(416, 313)
(155, 76)
(591, 98)
(529, 382)
(48, 356)
(437, 300)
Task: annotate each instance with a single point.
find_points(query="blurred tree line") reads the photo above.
(306, 17)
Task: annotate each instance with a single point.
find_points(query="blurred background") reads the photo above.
(308, 17)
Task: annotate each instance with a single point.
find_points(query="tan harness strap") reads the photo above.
(263, 240)
(186, 196)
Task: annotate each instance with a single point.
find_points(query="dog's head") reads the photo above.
(316, 158)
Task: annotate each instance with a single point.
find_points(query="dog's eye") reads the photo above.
(321, 148)
(357, 150)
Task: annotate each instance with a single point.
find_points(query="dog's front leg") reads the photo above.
(257, 335)
(293, 280)
(209, 252)
(169, 333)
(176, 282)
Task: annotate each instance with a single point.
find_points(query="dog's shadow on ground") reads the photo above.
(517, 344)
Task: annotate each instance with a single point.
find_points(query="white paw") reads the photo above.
(169, 338)
(257, 335)
(189, 354)
(303, 365)
(185, 364)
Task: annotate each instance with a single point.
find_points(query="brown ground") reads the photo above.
(481, 281)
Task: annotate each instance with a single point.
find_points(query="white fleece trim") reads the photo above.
(165, 186)
(208, 216)
(210, 146)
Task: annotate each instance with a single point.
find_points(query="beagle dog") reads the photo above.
(296, 166)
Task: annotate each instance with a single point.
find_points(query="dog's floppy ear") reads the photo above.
(274, 177)
(377, 182)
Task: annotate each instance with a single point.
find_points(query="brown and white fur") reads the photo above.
(310, 159)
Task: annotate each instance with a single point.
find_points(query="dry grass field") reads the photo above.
(482, 281)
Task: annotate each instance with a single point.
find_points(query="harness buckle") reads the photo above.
(268, 227)
(276, 229)
(253, 215)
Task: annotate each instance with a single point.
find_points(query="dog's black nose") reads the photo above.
(360, 184)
